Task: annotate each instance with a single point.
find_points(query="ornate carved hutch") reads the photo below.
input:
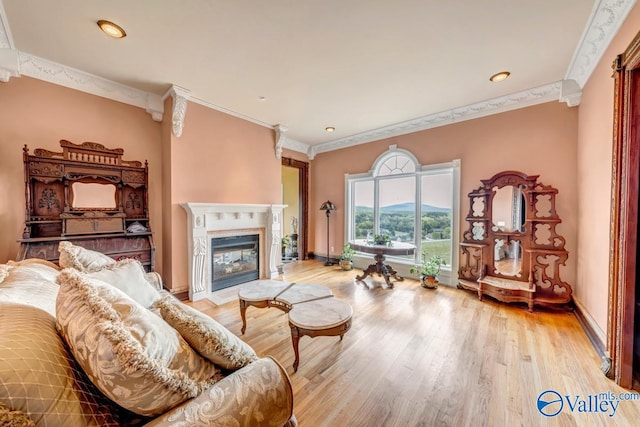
(511, 250)
(89, 195)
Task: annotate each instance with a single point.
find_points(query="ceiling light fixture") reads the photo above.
(329, 128)
(498, 77)
(262, 98)
(111, 29)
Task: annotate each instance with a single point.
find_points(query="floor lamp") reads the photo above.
(328, 206)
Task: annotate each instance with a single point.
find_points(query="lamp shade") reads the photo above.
(328, 206)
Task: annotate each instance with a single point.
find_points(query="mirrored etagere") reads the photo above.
(511, 250)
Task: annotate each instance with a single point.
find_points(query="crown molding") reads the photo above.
(295, 145)
(230, 112)
(606, 19)
(9, 64)
(52, 72)
(6, 41)
(538, 95)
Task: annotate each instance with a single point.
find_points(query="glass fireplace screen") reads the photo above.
(235, 260)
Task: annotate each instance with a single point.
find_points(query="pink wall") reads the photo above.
(517, 140)
(219, 159)
(40, 114)
(595, 133)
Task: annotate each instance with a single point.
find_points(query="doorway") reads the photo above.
(295, 218)
(623, 330)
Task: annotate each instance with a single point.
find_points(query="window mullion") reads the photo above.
(376, 206)
(417, 234)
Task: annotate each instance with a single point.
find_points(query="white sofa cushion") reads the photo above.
(133, 356)
(129, 276)
(29, 283)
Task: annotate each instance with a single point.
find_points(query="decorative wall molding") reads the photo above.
(538, 95)
(52, 72)
(605, 21)
(280, 138)
(180, 97)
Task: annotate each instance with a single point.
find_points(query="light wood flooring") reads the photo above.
(422, 357)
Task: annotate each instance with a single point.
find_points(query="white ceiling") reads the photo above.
(362, 66)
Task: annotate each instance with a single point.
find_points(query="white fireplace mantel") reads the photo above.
(204, 219)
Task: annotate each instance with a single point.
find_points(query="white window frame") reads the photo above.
(448, 274)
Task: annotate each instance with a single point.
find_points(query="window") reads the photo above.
(410, 202)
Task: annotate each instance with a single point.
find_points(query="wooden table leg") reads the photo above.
(243, 314)
(297, 333)
(368, 272)
(295, 339)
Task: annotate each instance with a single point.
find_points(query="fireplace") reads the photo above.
(234, 260)
(208, 221)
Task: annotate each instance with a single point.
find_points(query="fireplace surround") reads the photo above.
(206, 221)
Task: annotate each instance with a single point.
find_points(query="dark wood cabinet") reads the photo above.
(89, 195)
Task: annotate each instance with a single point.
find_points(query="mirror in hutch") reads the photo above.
(511, 250)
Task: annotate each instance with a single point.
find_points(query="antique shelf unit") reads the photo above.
(89, 195)
(511, 250)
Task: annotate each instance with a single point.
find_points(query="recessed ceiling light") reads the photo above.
(262, 98)
(111, 29)
(329, 128)
(498, 77)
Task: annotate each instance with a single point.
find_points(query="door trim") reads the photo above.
(303, 185)
(624, 215)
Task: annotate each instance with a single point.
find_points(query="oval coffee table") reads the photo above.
(313, 311)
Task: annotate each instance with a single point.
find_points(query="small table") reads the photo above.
(323, 317)
(382, 269)
(313, 311)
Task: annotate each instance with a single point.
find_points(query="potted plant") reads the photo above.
(346, 257)
(286, 241)
(382, 239)
(428, 270)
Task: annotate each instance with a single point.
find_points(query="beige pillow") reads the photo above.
(39, 377)
(4, 272)
(133, 356)
(205, 335)
(73, 256)
(129, 276)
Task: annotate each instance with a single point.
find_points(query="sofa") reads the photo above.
(101, 344)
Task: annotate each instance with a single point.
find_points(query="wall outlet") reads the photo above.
(332, 248)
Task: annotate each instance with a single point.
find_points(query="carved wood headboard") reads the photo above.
(117, 224)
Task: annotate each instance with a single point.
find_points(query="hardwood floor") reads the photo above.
(421, 357)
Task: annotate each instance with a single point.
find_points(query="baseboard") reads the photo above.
(595, 335)
(182, 296)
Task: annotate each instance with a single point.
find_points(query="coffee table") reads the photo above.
(313, 311)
